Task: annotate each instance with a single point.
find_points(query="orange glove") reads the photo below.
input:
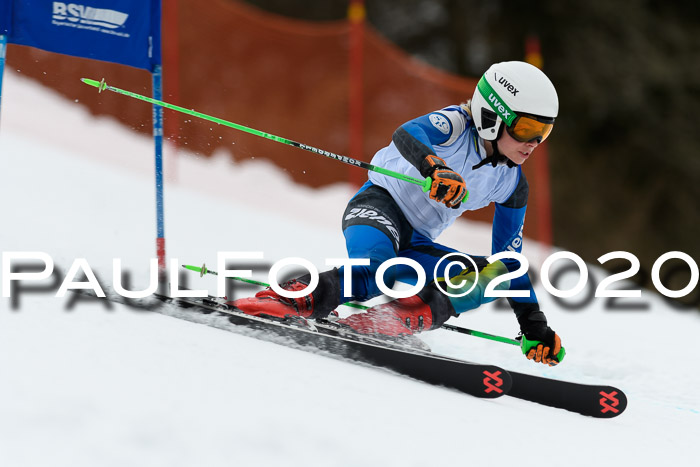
(448, 186)
(543, 353)
(539, 342)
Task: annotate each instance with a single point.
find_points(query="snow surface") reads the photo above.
(83, 385)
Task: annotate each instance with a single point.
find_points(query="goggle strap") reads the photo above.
(495, 102)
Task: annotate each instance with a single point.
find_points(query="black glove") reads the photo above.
(539, 341)
(448, 186)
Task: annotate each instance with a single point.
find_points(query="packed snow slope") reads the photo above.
(84, 385)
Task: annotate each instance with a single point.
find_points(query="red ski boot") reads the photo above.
(400, 317)
(269, 303)
(318, 304)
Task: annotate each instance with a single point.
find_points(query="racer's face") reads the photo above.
(515, 150)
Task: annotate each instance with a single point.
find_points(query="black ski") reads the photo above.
(480, 380)
(476, 379)
(592, 400)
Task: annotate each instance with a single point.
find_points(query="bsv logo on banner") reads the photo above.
(86, 17)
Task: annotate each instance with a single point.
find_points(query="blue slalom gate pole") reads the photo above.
(3, 52)
(158, 142)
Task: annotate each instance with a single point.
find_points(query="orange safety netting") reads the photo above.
(283, 76)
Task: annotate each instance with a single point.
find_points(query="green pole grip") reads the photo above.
(526, 345)
(428, 182)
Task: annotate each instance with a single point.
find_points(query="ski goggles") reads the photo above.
(525, 128)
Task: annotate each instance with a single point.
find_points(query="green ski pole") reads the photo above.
(484, 335)
(425, 184)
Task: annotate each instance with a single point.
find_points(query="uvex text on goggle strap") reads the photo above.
(523, 127)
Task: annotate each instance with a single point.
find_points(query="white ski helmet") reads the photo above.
(507, 90)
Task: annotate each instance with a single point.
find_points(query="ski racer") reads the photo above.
(479, 146)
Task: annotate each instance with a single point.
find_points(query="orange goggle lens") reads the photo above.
(527, 128)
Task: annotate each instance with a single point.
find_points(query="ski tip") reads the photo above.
(612, 403)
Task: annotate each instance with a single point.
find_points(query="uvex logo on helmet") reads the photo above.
(503, 81)
(498, 105)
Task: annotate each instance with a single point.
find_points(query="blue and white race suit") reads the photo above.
(390, 217)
